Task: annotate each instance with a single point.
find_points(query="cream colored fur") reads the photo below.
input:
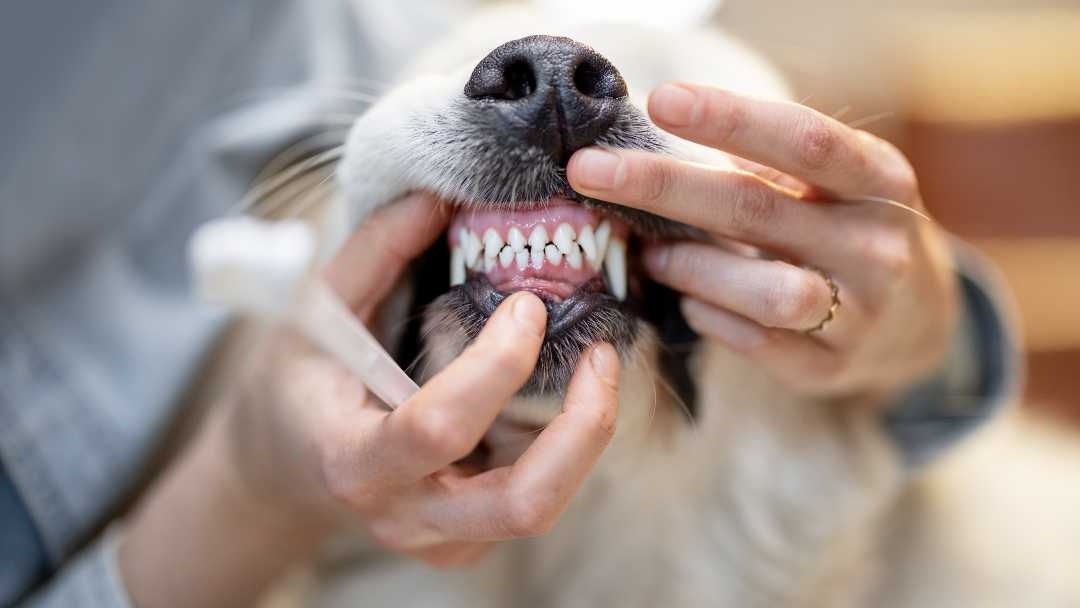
(766, 499)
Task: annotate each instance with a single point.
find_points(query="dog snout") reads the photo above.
(553, 93)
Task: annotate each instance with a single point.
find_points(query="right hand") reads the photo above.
(306, 437)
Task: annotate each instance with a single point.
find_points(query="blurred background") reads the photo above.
(984, 97)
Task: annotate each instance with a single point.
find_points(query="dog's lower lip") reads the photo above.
(562, 314)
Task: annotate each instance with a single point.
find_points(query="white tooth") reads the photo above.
(574, 258)
(506, 256)
(516, 239)
(538, 238)
(553, 255)
(587, 241)
(493, 243)
(615, 268)
(537, 255)
(473, 247)
(489, 264)
(603, 233)
(522, 259)
(457, 266)
(564, 238)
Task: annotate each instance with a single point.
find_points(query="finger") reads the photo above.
(445, 420)
(734, 204)
(452, 554)
(527, 498)
(794, 359)
(368, 264)
(787, 136)
(771, 293)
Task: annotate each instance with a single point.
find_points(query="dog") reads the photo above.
(721, 487)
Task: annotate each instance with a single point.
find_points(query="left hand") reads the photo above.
(896, 286)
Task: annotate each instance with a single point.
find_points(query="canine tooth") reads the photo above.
(473, 247)
(553, 254)
(538, 239)
(603, 233)
(506, 255)
(537, 255)
(615, 268)
(564, 238)
(457, 266)
(489, 264)
(522, 259)
(587, 241)
(493, 243)
(516, 239)
(574, 258)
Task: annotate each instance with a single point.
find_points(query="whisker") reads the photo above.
(273, 184)
(841, 112)
(323, 140)
(867, 120)
(886, 201)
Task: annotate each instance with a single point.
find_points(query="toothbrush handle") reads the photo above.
(325, 319)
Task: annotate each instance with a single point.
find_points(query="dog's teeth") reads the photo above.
(587, 241)
(473, 247)
(506, 256)
(574, 258)
(615, 268)
(489, 264)
(537, 255)
(564, 238)
(457, 266)
(538, 239)
(493, 243)
(516, 239)
(553, 254)
(603, 233)
(522, 259)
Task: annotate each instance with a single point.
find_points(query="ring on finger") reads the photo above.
(834, 305)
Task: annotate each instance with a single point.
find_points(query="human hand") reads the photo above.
(894, 280)
(307, 437)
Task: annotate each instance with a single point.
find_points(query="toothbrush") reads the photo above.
(264, 267)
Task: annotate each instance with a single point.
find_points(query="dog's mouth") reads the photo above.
(580, 259)
(572, 257)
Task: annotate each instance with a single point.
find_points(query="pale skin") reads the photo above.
(301, 451)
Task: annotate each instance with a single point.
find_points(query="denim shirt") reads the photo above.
(142, 121)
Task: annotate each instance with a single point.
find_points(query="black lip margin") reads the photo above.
(588, 316)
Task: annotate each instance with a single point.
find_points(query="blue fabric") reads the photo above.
(22, 560)
(982, 373)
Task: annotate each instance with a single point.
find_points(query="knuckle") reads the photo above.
(889, 250)
(724, 115)
(334, 473)
(753, 207)
(530, 515)
(818, 144)
(441, 434)
(796, 300)
(657, 178)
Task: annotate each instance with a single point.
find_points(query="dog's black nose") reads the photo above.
(555, 93)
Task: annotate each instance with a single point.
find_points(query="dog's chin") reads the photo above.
(584, 318)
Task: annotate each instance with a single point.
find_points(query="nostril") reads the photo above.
(598, 81)
(520, 80)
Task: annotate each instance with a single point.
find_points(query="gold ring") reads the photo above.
(833, 307)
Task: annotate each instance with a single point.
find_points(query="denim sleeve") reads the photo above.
(981, 375)
(90, 580)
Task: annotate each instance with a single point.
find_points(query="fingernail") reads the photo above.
(604, 362)
(656, 258)
(673, 105)
(529, 310)
(595, 168)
